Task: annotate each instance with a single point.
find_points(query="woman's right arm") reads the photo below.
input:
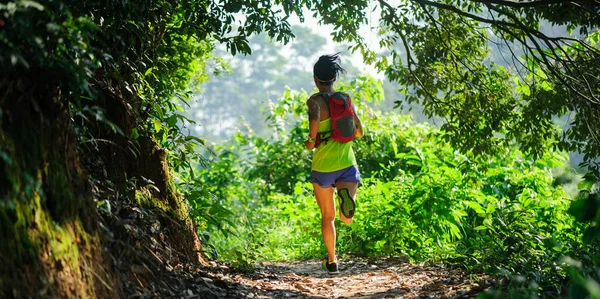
(314, 116)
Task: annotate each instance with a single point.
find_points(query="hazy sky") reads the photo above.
(365, 31)
(324, 30)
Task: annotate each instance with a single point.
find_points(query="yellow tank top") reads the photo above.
(332, 155)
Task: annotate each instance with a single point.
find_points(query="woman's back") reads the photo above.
(331, 155)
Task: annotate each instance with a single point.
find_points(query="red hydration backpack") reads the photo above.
(342, 118)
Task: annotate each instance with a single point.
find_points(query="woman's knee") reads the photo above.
(328, 215)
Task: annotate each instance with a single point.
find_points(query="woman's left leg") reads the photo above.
(327, 204)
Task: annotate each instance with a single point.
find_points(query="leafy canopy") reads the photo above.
(439, 53)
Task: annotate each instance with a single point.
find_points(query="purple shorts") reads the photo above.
(328, 179)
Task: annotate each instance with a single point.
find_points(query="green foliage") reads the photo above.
(118, 74)
(129, 68)
(420, 197)
(440, 55)
(34, 36)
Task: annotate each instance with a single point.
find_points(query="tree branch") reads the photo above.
(411, 62)
(523, 4)
(506, 27)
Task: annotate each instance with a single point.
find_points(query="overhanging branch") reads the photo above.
(532, 34)
(539, 3)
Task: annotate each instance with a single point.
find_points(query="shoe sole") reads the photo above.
(347, 206)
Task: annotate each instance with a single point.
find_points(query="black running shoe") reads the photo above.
(331, 268)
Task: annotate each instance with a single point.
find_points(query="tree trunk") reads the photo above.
(54, 241)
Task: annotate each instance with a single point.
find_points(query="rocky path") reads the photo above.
(359, 278)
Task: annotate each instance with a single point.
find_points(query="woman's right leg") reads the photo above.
(352, 187)
(327, 204)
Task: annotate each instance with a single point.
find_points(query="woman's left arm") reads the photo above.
(358, 125)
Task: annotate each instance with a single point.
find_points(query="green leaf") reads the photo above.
(29, 3)
(148, 71)
(134, 134)
(475, 206)
(525, 89)
(157, 125)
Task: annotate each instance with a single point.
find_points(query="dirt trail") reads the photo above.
(359, 278)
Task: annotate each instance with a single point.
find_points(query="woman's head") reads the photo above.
(327, 69)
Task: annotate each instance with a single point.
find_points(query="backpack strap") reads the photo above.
(325, 96)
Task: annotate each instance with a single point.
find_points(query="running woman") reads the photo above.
(334, 164)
